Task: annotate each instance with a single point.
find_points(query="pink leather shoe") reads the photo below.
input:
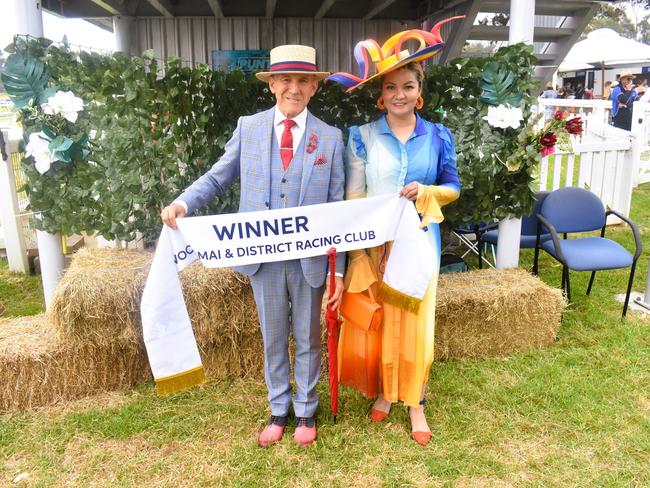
(273, 431)
(305, 433)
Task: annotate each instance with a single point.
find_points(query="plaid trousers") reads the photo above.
(287, 303)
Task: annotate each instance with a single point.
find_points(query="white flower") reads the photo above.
(480, 153)
(92, 134)
(64, 103)
(504, 116)
(37, 148)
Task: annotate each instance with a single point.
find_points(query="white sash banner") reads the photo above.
(267, 236)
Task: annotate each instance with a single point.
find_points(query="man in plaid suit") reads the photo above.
(283, 157)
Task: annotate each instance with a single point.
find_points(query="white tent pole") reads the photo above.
(52, 261)
(26, 17)
(522, 29)
(23, 17)
(122, 29)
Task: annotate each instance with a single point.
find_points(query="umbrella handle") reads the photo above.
(331, 253)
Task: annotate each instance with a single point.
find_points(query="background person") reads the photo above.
(549, 92)
(623, 98)
(607, 93)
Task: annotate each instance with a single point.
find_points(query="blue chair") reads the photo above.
(575, 210)
(528, 229)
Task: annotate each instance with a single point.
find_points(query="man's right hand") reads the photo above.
(172, 212)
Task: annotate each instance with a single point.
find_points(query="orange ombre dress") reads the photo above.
(396, 358)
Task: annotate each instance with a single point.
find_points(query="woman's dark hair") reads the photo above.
(416, 68)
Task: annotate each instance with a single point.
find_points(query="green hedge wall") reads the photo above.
(160, 126)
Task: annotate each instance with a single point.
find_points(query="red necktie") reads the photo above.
(286, 144)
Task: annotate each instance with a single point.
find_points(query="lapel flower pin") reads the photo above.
(320, 159)
(313, 143)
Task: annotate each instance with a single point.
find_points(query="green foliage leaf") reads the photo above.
(499, 85)
(161, 127)
(25, 79)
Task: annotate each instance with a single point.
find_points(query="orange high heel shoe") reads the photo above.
(421, 438)
(377, 415)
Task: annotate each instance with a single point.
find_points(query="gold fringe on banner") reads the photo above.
(180, 381)
(398, 299)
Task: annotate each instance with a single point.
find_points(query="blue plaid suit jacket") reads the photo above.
(247, 157)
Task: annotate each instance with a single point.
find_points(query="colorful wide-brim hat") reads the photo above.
(390, 56)
(292, 59)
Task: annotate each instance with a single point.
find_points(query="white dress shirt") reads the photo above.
(296, 131)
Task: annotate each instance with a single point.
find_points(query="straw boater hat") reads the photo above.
(626, 74)
(390, 56)
(292, 59)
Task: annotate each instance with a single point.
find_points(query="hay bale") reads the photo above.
(487, 313)
(38, 368)
(98, 297)
(222, 309)
(98, 301)
(92, 340)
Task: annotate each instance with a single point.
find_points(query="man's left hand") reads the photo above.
(338, 293)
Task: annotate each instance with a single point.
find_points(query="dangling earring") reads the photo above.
(420, 103)
(380, 103)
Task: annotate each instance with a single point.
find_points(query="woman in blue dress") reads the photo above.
(398, 153)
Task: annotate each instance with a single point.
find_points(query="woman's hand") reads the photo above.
(410, 191)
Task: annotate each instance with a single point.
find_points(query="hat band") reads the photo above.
(292, 66)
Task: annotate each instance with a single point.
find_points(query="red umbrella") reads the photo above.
(333, 325)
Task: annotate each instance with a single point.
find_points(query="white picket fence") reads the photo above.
(604, 167)
(17, 236)
(596, 113)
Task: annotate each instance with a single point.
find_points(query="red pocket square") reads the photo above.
(320, 159)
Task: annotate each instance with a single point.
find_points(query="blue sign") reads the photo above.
(249, 61)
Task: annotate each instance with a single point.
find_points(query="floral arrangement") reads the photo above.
(46, 146)
(534, 144)
(529, 145)
(48, 114)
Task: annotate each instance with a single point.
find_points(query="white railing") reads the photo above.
(603, 162)
(597, 113)
(590, 110)
(14, 218)
(641, 129)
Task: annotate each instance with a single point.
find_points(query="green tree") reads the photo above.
(611, 17)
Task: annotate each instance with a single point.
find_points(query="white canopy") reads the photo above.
(607, 47)
(569, 66)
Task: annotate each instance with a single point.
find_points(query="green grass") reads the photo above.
(574, 414)
(20, 295)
